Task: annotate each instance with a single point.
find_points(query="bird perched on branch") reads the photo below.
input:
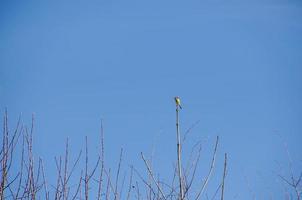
(177, 101)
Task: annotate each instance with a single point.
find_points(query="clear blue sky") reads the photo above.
(237, 65)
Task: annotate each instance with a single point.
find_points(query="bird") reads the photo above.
(177, 101)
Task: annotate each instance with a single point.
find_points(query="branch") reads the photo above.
(210, 171)
(151, 174)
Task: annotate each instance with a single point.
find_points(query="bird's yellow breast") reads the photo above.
(177, 100)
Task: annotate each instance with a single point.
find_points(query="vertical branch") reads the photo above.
(137, 190)
(59, 171)
(102, 162)
(194, 166)
(80, 185)
(45, 183)
(117, 175)
(210, 171)
(122, 185)
(21, 167)
(130, 183)
(224, 175)
(64, 186)
(179, 166)
(32, 183)
(86, 169)
(88, 175)
(4, 158)
(108, 185)
(152, 176)
(157, 196)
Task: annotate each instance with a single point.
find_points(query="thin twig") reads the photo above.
(102, 162)
(224, 175)
(45, 183)
(210, 171)
(117, 175)
(151, 174)
(130, 183)
(189, 130)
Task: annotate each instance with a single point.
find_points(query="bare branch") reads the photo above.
(117, 175)
(210, 171)
(151, 174)
(130, 183)
(102, 162)
(224, 175)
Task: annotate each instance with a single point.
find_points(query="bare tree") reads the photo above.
(77, 179)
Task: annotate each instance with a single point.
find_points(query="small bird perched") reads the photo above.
(177, 101)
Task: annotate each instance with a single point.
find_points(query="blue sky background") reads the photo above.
(235, 64)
